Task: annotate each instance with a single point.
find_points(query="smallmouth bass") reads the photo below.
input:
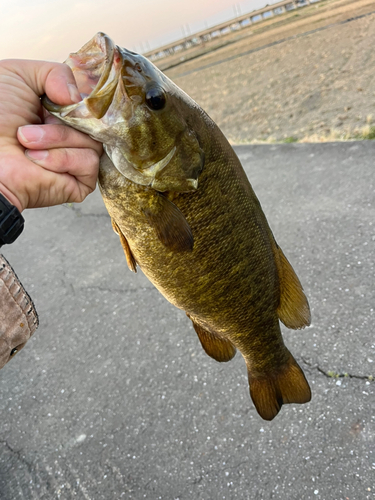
(186, 213)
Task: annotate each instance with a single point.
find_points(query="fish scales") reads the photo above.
(188, 216)
(198, 282)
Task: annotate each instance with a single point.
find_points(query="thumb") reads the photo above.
(60, 85)
(43, 77)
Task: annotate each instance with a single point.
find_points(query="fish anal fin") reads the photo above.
(218, 348)
(132, 263)
(285, 385)
(293, 310)
(171, 227)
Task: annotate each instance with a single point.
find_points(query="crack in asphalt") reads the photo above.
(115, 290)
(17, 453)
(333, 374)
(79, 213)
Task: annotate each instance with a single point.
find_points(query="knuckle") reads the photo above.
(64, 157)
(64, 132)
(73, 158)
(92, 156)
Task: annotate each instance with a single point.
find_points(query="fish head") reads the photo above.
(145, 122)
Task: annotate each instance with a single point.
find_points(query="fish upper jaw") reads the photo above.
(91, 65)
(97, 70)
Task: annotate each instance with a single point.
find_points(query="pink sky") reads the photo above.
(50, 29)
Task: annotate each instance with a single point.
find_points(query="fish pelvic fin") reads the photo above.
(130, 259)
(293, 310)
(217, 347)
(269, 391)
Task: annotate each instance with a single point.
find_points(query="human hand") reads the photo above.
(59, 164)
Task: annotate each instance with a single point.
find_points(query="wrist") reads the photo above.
(11, 197)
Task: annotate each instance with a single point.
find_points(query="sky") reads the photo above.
(51, 29)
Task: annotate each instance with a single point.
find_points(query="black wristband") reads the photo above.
(11, 222)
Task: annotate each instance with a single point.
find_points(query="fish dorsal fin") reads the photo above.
(293, 310)
(171, 227)
(217, 347)
(132, 263)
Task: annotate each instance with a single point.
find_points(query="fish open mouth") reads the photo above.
(91, 65)
(96, 67)
(124, 99)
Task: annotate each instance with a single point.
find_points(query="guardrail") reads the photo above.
(228, 27)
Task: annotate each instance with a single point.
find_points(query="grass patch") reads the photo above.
(370, 134)
(365, 133)
(289, 140)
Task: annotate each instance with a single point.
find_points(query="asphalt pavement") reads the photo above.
(113, 397)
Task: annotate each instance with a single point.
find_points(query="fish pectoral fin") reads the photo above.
(217, 347)
(293, 310)
(171, 227)
(132, 263)
(284, 385)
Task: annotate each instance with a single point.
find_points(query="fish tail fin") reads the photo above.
(287, 384)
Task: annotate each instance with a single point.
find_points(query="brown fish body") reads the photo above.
(228, 283)
(208, 248)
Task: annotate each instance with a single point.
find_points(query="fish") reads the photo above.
(186, 214)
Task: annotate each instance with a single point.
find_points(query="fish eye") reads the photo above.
(14, 351)
(155, 98)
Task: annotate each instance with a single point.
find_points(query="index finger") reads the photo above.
(53, 135)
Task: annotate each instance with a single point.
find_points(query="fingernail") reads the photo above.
(73, 92)
(34, 154)
(31, 133)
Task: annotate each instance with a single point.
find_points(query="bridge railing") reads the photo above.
(228, 27)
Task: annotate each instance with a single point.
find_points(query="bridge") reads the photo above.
(227, 27)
